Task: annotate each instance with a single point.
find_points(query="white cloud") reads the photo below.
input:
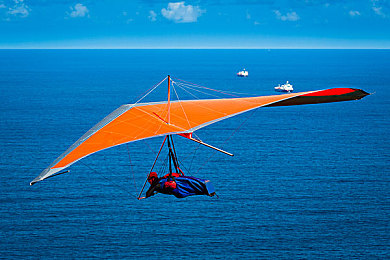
(19, 9)
(378, 10)
(152, 16)
(292, 16)
(354, 13)
(380, 7)
(181, 13)
(2, 6)
(79, 10)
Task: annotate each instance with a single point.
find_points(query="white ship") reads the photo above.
(284, 88)
(243, 73)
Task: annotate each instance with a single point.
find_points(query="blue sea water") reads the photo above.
(305, 182)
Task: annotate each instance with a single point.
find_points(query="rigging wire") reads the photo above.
(164, 166)
(188, 170)
(197, 89)
(196, 85)
(184, 86)
(226, 92)
(150, 90)
(110, 181)
(231, 135)
(131, 166)
(186, 91)
(194, 153)
(199, 99)
(184, 112)
(150, 148)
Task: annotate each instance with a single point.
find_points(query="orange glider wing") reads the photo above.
(130, 123)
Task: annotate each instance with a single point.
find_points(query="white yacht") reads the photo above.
(243, 73)
(284, 88)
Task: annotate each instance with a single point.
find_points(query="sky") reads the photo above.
(227, 24)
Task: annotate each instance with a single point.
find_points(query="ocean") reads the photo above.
(305, 182)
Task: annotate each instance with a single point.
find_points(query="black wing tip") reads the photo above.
(365, 93)
(362, 93)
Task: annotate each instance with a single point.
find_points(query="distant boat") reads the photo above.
(284, 88)
(242, 73)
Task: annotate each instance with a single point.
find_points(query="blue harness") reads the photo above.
(188, 186)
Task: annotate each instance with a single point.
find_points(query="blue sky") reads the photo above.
(195, 24)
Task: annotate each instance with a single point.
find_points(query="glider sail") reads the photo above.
(135, 122)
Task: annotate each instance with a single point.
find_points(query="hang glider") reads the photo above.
(133, 122)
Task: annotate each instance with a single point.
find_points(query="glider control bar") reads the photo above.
(189, 136)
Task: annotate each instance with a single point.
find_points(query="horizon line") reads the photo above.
(211, 48)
